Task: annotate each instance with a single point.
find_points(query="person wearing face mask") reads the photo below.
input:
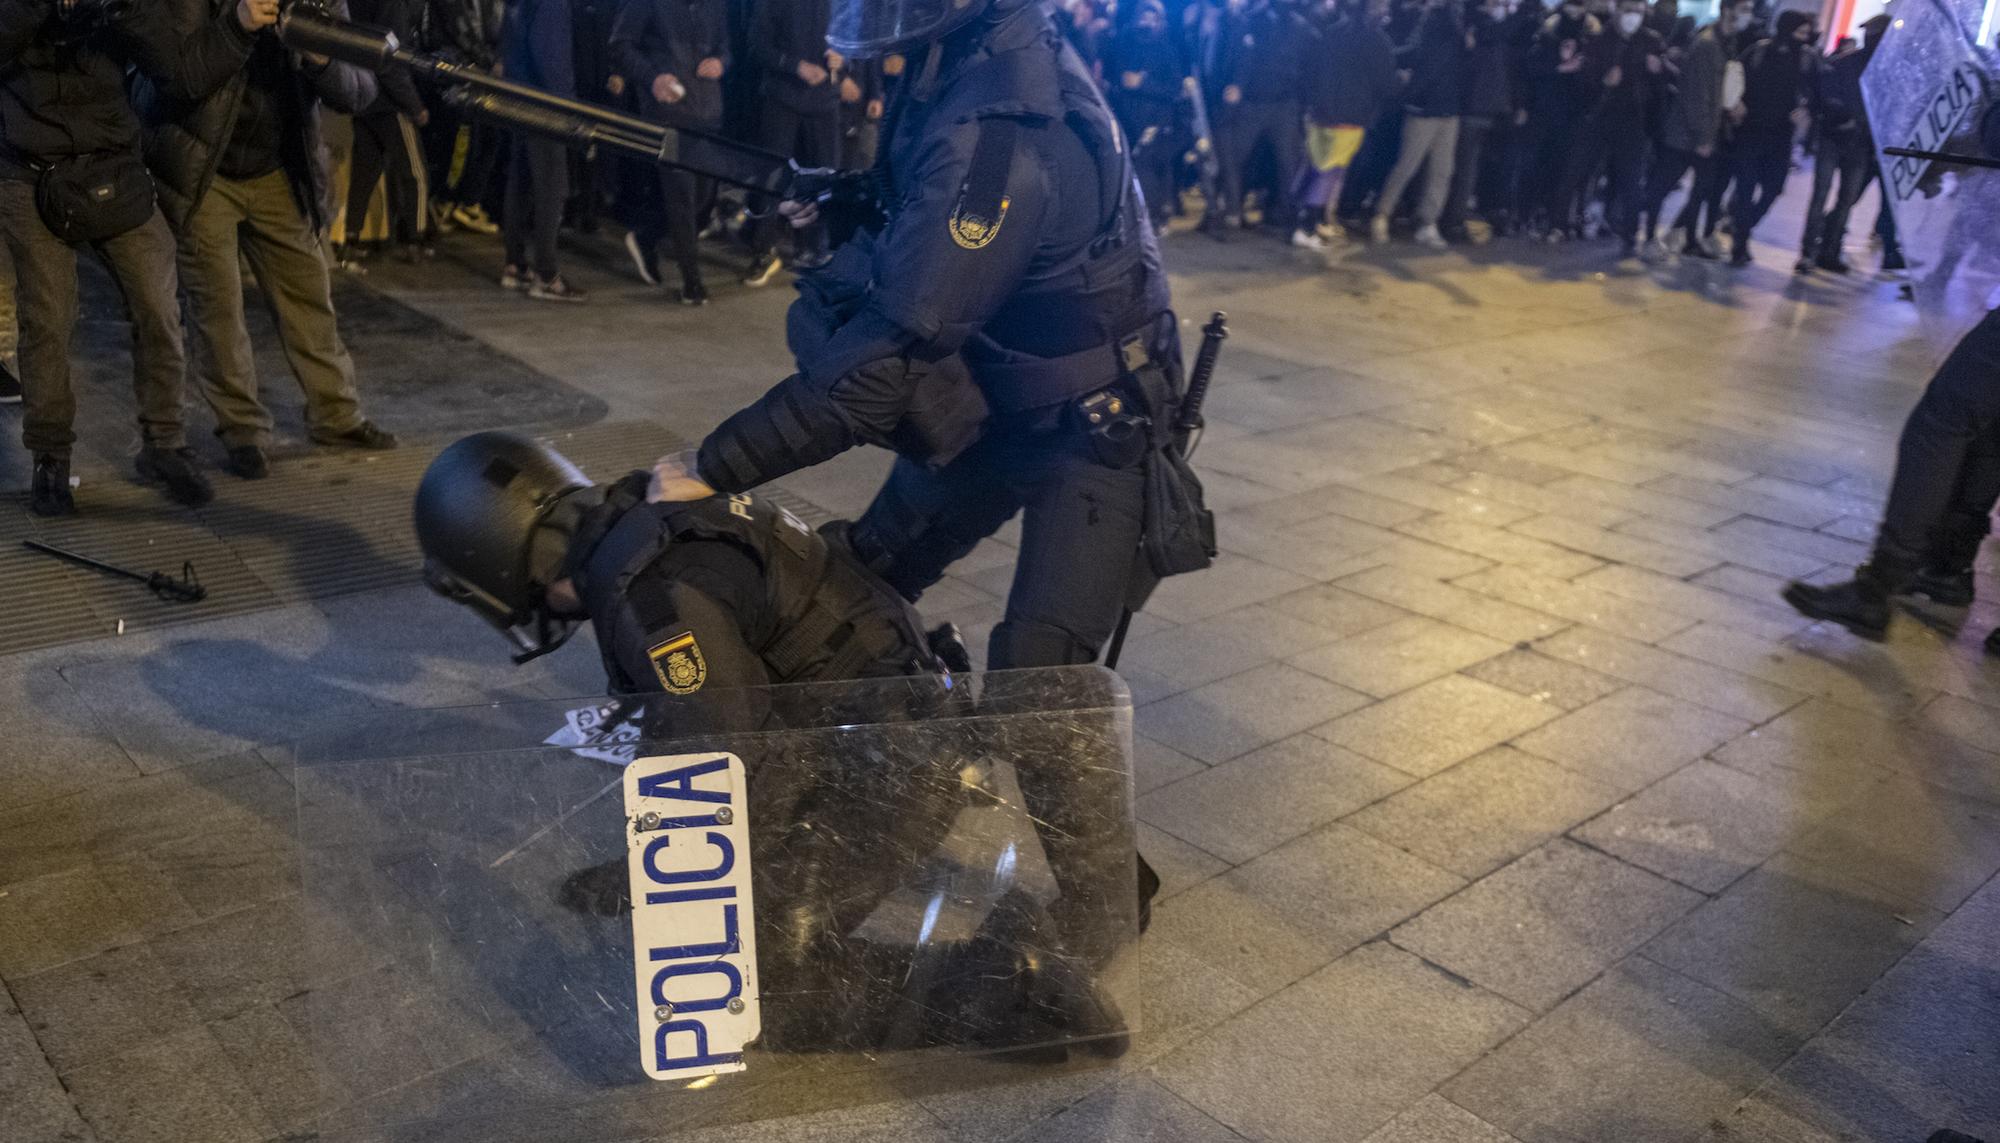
(1489, 101)
(1142, 70)
(1691, 130)
(1779, 76)
(1565, 74)
(1615, 138)
(1843, 145)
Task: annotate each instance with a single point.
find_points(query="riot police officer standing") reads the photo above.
(1013, 239)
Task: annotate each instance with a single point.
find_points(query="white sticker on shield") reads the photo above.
(694, 944)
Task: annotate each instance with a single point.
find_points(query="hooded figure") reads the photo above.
(1779, 76)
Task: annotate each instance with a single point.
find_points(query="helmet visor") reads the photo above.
(867, 28)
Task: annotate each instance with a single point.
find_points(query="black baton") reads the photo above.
(186, 589)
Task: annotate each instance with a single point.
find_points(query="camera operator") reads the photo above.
(71, 175)
(242, 172)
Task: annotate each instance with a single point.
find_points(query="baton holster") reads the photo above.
(1178, 533)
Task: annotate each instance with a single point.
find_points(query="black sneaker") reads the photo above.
(363, 435)
(556, 289)
(249, 462)
(10, 387)
(1944, 588)
(1803, 267)
(694, 293)
(1692, 248)
(1740, 259)
(1856, 605)
(175, 469)
(50, 494)
(1834, 264)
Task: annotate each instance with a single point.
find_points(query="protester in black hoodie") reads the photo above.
(1489, 103)
(1351, 78)
(1779, 76)
(1142, 74)
(799, 106)
(1432, 100)
(1255, 72)
(1565, 76)
(380, 144)
(1615, 137)
(1843, 145)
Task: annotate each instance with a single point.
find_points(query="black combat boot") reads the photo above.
(1942, 587)
(50, 494)
(1861, 604)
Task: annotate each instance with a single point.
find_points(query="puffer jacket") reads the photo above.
(183, 138)
(63, 96)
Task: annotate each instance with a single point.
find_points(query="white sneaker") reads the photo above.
(1306, 240)
(1378, 229)
(642, 259)
(1428, 236)
(1652, 253)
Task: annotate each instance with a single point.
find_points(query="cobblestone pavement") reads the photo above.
(1496, 794)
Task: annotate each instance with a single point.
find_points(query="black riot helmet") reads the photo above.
(866, 29)
(494, 515)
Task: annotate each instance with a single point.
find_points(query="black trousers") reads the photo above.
(1711, 178)
(1617, 148)
(1545, 183)
(1947, 463)
(537, 184)
(378, 150)
(1759, 167)
(1662, 176)
(1079, 535)
(1239, 129)
(812, 139)
(677, 222)
(1473, 133)
(1850, 156)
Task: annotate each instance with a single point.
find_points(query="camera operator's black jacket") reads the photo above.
(185, 134)
(62, 85)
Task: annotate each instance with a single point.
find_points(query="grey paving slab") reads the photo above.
(1339, 1054)
(844, 1125)
(1182, 996)
(1563, 685)
(1633, 738)
(99, 1006)
(57, 918)
(1794, 941)
(1181, 658)
(273, 1059)
(1578, 602)
(1862, 680)
(1545, 925)
(1824, 745)
(996, 1103)
(1913, 839)
(1179, 864)
(1398, 656)
(1138, 1112)
(1523, 482)
(1494, 618)
(1298, 907)
(1233, 716)
(1232, 582)
(1443, 722)
(1435, 1119)
(1336, 609)
(1497, 544)
(1766, 619)
(1684, 678)
(240, 960)
(1484, 812)
(1244, 807)
(1617, 547)
(38, 766)
(176, 1087)
(1706, 825)
(1642, 1055)
(1913, 1054)
(1154, 764)
(37, 1107)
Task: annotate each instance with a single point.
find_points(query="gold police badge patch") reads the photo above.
(973, 231)
(679, 664)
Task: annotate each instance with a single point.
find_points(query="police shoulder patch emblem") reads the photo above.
(973, 231)
(982, 197)
(679, 664)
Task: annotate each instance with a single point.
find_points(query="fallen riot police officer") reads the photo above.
(705, 606)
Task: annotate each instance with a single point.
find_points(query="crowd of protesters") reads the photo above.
(1315, 119)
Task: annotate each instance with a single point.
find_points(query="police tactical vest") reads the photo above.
(832, 619)
(1072, 312)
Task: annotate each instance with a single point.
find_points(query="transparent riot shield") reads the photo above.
(592, 920)
(1930, 87)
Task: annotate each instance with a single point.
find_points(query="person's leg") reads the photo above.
(1857, 169)
(1442, 148)
(1625, 164)
(213, 284)
(924, 520)
(1824, 165)
(45, 300)
(678, 196)
(778, 130)
(406, 225)
(1744, 168)
(517, 213)
(1232, 144)
(1472, 135)
(1662, 176)
(548, 171)
(142, 263)
(1968, 519)
(1286, 127)
(364, 171)
(284, 251)
(1419, 134)
(1079, 539)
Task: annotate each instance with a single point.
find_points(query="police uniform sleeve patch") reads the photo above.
(679, 664)
(982, 197)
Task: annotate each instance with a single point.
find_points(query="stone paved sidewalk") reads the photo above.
(1496, 794)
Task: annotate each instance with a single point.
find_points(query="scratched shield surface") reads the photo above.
(1929, 87)
(944, 898)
